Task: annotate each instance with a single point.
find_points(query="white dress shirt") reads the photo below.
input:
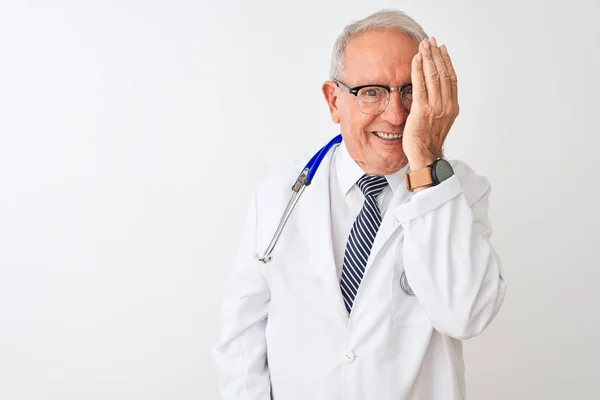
(347, 199)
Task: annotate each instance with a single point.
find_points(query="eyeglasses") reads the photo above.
(373, 99)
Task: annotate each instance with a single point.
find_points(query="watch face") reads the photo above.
(442, 170)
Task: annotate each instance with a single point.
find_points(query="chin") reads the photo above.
(394, 162)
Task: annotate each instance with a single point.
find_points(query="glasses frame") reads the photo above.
(390, 89)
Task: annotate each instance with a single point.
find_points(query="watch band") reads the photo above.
(419, 178)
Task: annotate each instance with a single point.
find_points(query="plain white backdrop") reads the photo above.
(131, 134)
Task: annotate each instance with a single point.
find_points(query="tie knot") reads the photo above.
(372, 185)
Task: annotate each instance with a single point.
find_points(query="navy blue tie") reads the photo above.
(361, 238)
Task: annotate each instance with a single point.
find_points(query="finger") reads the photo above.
(451, 72)
(444, 76)
(418, 80)
(432, 78)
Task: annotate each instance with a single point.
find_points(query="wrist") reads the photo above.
(423, 158)
(420, 163)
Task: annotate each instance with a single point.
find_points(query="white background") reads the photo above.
(131, 133)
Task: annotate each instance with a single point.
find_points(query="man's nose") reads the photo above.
(395, 113)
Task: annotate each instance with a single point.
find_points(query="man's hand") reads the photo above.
(434, 107)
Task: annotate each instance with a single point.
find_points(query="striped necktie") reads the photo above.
(361, 238)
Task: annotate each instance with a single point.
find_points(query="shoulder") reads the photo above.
(281, 176)
(274, 188)
(474, 185)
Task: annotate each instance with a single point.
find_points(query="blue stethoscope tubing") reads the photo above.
(304, 179)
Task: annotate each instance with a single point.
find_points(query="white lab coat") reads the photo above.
(286, 334)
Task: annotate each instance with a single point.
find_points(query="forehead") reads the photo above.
(382, 57)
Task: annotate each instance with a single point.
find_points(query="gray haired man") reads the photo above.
(386, 265)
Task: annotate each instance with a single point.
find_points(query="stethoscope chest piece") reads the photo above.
(405, 286)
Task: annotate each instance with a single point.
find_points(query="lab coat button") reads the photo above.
(349, 357)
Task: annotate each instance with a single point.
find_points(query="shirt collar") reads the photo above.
(349, 172)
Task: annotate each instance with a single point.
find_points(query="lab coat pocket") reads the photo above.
(406, 309)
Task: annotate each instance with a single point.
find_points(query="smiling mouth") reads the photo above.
(387, 135)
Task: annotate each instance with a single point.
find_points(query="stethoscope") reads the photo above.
(304, 179)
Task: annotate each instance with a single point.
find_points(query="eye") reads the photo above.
(372, 93)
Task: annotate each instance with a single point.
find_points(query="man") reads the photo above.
(385, 265)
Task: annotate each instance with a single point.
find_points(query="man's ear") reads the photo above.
(329, 90)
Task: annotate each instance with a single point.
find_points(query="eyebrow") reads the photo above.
(376, 82)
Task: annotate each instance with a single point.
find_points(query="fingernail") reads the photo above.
(419, 58)
(444, 49)
(426, 44)
(433, 41)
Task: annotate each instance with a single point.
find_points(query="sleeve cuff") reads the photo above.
(427, 200)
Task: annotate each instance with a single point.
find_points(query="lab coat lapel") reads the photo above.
(389, 224)
(318, 220)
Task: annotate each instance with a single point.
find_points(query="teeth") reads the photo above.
(389, 136)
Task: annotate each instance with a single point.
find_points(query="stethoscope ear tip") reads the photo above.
(264, 259)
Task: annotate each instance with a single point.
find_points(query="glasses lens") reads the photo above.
(406, 97)
(372, 99)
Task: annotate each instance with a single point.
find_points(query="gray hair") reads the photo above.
(384, 19)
